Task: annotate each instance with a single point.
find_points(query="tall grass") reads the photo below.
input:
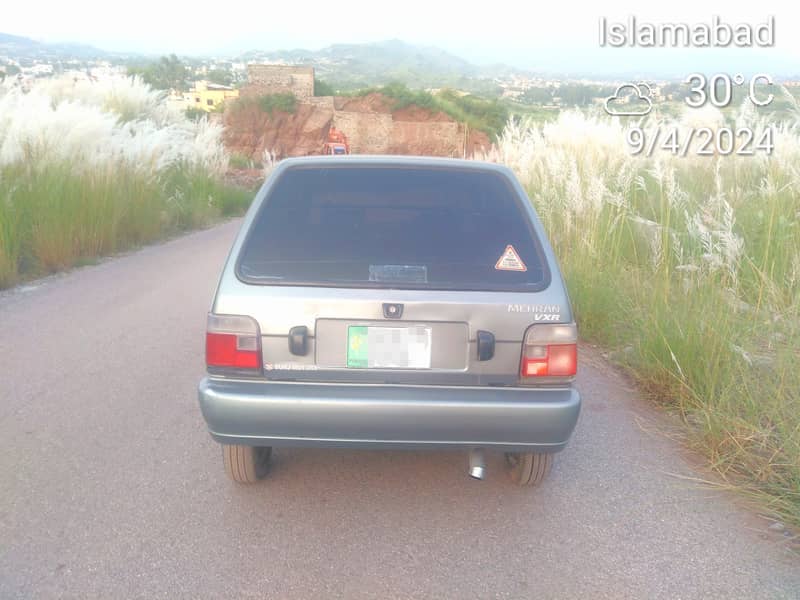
(690, 267)
(88, 168)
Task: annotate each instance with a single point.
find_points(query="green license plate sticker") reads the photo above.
(388, 347)
(357, 341)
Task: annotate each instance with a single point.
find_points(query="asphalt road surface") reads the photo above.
(110, 486)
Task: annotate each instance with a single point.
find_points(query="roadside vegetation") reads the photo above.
(91, 168)
(268, 103)
(489, 116)
(689, 269)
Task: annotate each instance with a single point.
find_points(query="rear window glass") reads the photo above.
(393, 227)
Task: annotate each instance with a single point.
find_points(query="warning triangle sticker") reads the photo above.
(510, 261)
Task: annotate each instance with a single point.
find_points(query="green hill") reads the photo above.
(353, 66)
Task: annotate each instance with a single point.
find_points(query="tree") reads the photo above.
(168, 73)
(538, 95)
(220, 76)
(322, 88)
(577, 94)
(172, 72)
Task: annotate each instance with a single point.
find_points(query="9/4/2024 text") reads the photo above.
(702, 141)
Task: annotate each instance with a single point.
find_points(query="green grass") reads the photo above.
(489, 116)
(53, 218)
(268, 103)
(743, 416)
(240, 161)
(720, 345)
(536, 114)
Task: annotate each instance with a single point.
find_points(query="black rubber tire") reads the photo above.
(246, 464)
(529, 468)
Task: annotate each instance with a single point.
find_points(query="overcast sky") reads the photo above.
(549, 36)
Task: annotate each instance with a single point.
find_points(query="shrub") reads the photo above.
(281, 102)
(240, 161)
(267, 103)
(195, 114)
(322, 88)
(489, 116)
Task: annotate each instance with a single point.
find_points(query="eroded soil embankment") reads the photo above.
(369, 122)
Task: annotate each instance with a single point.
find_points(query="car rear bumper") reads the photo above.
(389, 416)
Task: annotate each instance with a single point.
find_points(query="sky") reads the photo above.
(555, 36)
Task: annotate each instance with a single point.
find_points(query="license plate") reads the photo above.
(388, 347)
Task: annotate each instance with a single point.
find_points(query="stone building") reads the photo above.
(277, 79)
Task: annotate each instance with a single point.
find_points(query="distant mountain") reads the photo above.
(8, 39)
(21, 48)
(345, 66)
(358, 65)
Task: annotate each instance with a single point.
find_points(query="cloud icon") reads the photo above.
(629, 106)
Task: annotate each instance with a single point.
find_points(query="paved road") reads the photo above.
(111, 488)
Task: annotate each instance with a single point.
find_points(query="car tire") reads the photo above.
(246, 464)
(529, 468)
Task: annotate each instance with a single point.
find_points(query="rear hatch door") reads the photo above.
(407, 274)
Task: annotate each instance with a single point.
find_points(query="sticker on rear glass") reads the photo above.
(510, 261)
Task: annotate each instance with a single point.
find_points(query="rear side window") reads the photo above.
(393, 227)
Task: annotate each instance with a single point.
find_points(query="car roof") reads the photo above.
(373, 160)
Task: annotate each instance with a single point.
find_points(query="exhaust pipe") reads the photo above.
(477, 464)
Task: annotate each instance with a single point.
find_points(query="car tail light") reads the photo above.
(233, 344)
(550, 350)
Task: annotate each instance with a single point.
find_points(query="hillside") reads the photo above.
(372, 123)
(352, 66)
(21, 47)
(347, 67)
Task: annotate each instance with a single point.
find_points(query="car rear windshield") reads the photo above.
(393, 227)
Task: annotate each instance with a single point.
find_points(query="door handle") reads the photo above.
(485, 345)
(298, 340)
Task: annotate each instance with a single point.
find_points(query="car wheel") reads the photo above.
(246, 464)
(529, 468)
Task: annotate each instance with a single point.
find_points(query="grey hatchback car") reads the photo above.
(391, 302)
